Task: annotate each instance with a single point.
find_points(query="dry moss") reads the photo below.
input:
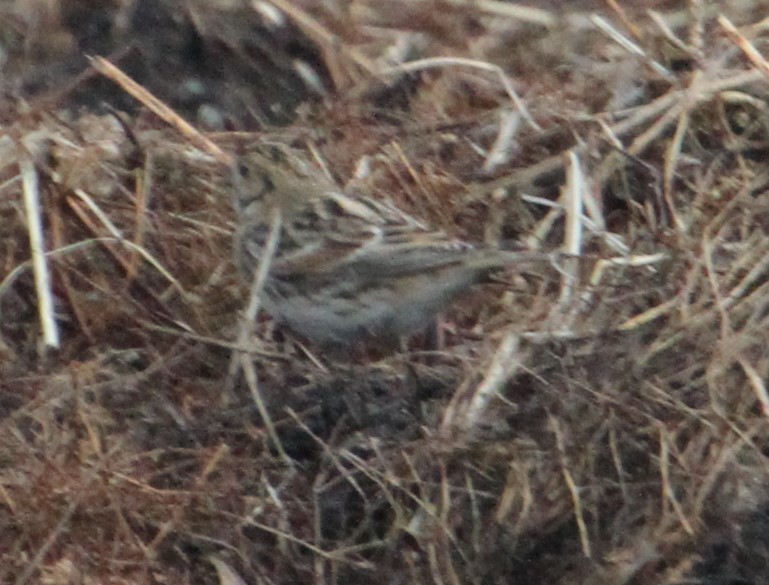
(603, 423)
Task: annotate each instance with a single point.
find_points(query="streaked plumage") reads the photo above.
(349, 267)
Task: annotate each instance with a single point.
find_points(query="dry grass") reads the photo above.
(602, 423)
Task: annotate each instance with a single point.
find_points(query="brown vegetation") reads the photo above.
(602, 423)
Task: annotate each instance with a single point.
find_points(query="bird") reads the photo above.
(349, 268)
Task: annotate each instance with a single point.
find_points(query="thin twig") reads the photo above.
(466, 415)
(160, 109)
(499, 153)
(118, 235)
(60, 528)
(630, 46)
(745, 45)
(242, 359)
(436, 62)
(573, 195)
(178, 513)
(757, 384)
(45, 308)
(668, 493)
(573, 489)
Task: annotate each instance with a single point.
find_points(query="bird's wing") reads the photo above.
(364, 235)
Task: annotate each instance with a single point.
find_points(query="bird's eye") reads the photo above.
(269, 184)
(244, 170)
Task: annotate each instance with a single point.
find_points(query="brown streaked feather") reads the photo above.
(349, 266)
(351, 227)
